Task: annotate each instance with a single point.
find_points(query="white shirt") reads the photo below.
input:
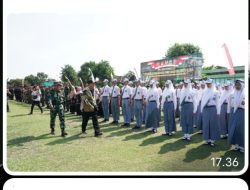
(114, 91)
(214, 101)
(170, 96)
(139, 93)
(126, 91)
(159, 91)
(178, 93)
(105, 90)
(144, 91)
(153, 95)
(190, 96)
(36, 93)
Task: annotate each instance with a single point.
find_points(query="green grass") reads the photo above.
(30, 147)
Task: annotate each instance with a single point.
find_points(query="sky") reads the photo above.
(46, 35)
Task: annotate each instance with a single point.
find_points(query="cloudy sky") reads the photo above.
(43, 36)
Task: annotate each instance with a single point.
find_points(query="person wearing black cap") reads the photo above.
(56, 100)
(89, 108)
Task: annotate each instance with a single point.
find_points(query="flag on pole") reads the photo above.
(136, 73)
(92, 76)
(229, 58)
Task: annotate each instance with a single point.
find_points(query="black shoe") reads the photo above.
(52, 131)
(136, 127)
(124, 125)
(63, 134)
(98, 134)
(30, 113)
(114, 122)
(132, 120)
(165, 134)
(154, 130)
(84, 132)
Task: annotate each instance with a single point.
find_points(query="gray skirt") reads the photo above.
(210, 123)
(152, 117)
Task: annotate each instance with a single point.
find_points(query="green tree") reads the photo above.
(70, 72)
(31, 80)
(182, 49)
(130, 75)
(84, 71)
(103, 70)
(42, 77)
(14, 82)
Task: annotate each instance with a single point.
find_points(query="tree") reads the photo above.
(42, 77)
(130, 75)
(70, 72)
(31, 80)
(84, 71)
(15, 82)
(182, 49)
(103, 70)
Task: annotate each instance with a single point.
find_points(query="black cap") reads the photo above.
(90, 81)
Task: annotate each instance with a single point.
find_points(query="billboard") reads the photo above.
(179, 67)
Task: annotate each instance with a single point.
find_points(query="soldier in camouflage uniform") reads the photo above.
(56, 100)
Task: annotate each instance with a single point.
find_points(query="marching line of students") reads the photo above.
(217, 111)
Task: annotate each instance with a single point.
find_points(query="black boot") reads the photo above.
(52, 131)
(63, 133)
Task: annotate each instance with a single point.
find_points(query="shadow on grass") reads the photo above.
(120, 132)
(138, 135)
(177, 145)
(64, 140)
(20, 115)
(236, 158)
(159, 139)
(21, 140)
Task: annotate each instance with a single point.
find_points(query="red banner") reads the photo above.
(229, 58)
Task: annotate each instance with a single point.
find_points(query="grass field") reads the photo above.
(30, 147)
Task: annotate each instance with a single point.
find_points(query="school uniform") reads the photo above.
(210, 116)
(160, 96)
(132, 110)
(125, 95)
(105, 101)
(169, 103)
(224, 113)
(237, 125)
(188, 108)
(115, 93)
(137, 97)
(152, 113)
(145, 90)
(178, 94)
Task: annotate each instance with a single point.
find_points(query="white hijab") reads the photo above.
(239, 96)
(208, 93)
(168, 90)
(225, 95)
(185, 91)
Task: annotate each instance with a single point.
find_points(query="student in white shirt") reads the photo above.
(187, 109)
(144, 88)
(210, 114)
(132, 111)
(126, 102)
(236, 135)
(153, 106)
(169, 104)
(160, 97)
(198, 112)
(138, 99)
(36, 97)
(224, 110)
(115, 101)
(105, 94)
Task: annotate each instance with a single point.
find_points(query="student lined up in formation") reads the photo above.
(217, 111)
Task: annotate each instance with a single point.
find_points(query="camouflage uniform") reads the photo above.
(89, 96)
(56, 100)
